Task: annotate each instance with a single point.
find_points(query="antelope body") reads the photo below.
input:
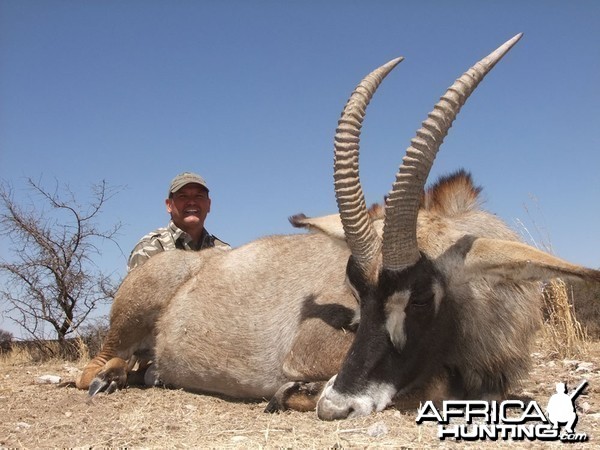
(433, 290)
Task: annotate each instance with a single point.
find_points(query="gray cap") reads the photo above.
(186, 178)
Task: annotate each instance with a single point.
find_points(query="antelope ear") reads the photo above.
(515, 261)
(330, 225)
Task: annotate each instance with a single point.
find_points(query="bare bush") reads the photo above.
(51, 277)
(92, 336)
(5, 341)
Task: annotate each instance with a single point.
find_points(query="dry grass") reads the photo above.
(562, 333)
(50, 416)
(26, 352)
(36, 415)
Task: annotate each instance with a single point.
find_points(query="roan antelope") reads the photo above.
(448, 298)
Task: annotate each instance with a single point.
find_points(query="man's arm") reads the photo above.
(142, 252)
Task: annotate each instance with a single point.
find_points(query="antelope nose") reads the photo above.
(329, 410)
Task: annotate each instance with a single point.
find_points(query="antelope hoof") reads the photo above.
(276, 403)
(296, 395)
(111, 378)
(97, 385)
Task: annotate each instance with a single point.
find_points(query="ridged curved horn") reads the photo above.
(360, 234)
(400, 248)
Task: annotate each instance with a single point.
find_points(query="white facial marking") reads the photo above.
(395, 307)
(333, 404)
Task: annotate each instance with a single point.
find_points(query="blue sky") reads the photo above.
(248, 93)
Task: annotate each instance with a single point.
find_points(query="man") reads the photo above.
(188, 203)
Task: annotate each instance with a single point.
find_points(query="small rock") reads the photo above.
(23, 425)
(48, 379)
(377, 429)
(239, 438)
(585, 367)
(68, 414)
(72, 371)
(585, 407)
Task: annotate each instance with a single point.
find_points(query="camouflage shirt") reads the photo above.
(169, 238)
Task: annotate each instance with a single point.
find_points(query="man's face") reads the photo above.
(189, 206)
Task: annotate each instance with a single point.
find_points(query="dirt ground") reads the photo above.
(34, 415)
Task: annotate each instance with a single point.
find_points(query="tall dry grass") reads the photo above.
(36, 352)
(79, 349)
(562, 332)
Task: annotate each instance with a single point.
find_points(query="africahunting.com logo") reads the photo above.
(511, 419)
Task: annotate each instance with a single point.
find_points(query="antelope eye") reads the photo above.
(421, 301)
